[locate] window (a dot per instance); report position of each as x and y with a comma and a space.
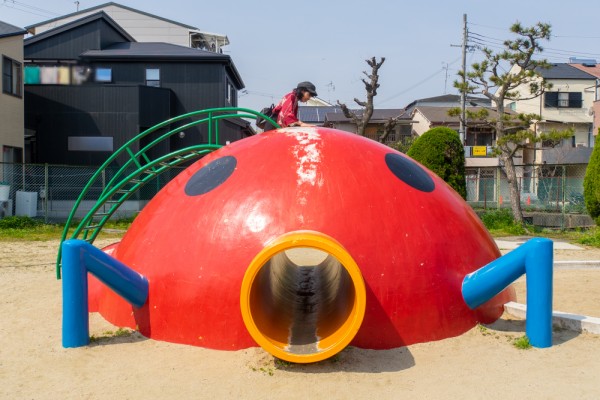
90, 143
563, 99
153, 77
103, 74
228, 92
11, 77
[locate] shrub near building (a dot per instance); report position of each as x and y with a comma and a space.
440, 150
591, 185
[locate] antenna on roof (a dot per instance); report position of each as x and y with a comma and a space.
330, 88
445, 67
77, 5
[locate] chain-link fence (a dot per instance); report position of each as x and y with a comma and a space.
551, 195
50, 191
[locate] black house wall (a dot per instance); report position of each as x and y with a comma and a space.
56, 112
195, 86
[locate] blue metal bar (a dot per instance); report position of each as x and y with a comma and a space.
534, 259
79, 258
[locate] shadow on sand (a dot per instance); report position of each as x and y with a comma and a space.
559, 335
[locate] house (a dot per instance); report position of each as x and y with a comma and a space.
143, 27
90, 87
376, 124
11, 97
480, 137
568, 104
593, 68
448, 100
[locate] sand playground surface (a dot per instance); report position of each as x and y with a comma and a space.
482, 363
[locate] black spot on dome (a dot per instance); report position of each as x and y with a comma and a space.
210, 176
409, 172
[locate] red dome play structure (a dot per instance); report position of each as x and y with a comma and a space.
382, 247
301, 240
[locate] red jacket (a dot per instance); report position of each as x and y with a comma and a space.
287, 109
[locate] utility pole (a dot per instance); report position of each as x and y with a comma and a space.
463, 94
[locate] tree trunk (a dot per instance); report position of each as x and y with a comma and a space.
360, 129
513, 184
509, 166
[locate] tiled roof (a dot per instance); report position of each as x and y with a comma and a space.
439, 115
7, 30
149, 51
592, 70
563, 71
379, 115
154, 50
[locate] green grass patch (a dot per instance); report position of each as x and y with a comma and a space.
501, 223
522, 343
32, 229
121, 332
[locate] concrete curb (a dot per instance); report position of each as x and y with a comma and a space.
572, 322
585, 264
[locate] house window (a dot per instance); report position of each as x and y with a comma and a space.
11, 77
153, 77
90, 143
563, 100
103, 74
228, 93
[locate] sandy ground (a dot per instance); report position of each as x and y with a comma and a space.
479, 364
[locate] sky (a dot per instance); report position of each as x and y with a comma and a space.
276, 44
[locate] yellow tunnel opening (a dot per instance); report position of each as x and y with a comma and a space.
303, 297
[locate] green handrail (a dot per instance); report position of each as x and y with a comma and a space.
143, 165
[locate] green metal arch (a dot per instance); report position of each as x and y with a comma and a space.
125, 183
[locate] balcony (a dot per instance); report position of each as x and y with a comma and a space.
480, 156
564, 155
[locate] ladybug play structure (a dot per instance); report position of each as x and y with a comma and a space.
300, 240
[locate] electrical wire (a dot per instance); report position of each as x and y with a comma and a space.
483, 40
408, 89
19, 6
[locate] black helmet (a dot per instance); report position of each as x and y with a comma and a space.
308, 86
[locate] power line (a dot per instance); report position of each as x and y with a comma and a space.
16, 5
33, 7
408, 89
497, 43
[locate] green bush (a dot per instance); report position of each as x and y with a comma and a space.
591, 185
440, 150
501, 221
19, 223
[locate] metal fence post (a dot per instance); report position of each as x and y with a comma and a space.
46, 193
497, 176
562, 224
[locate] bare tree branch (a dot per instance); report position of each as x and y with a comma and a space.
362, 118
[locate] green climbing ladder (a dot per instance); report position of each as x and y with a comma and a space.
140, 169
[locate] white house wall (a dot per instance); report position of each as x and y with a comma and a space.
573, 115
11, 107
142, 27
421, 124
